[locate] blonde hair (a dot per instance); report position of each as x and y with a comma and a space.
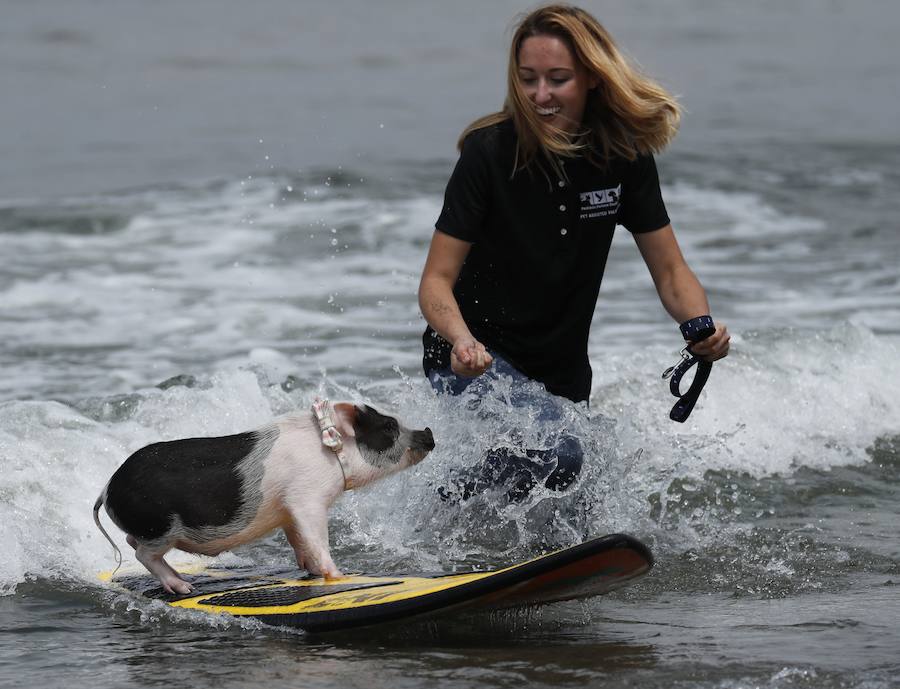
627, 114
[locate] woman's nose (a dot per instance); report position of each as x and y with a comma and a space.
541, 93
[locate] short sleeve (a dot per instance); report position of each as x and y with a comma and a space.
467, 196
642, 208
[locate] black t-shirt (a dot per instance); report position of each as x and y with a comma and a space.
529, 285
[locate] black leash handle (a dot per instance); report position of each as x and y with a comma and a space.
693, 330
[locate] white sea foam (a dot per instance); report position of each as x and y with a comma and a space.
710, 214
195, 276
781, 401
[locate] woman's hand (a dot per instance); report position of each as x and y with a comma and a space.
469, 358
713, 347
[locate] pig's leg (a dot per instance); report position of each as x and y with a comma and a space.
153, 560
297, 544
308, 536
132, 541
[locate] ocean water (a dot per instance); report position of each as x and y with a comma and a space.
210, 214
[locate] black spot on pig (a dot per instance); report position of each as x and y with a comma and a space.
197, 480
374, 430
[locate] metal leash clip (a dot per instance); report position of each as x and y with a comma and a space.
685, 356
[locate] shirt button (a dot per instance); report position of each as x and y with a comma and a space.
562, 208
563, 231
561, 183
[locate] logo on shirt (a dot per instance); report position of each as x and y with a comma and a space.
600, 203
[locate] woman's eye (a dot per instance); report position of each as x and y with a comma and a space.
552, 81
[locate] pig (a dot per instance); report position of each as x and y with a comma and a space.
209, 495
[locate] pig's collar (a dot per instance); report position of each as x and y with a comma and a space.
331, 436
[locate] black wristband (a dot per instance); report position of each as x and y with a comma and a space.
698, 328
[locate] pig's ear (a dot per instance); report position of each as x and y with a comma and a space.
345, 417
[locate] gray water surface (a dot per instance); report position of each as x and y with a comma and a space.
212, 212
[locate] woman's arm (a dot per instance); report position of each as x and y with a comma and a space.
445, 259
680, 291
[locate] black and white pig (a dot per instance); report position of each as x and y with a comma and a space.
208, 495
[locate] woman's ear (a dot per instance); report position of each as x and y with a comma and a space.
345, 417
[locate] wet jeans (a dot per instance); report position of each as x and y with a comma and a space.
518, 471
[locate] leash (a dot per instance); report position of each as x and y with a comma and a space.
693, 330
331, 436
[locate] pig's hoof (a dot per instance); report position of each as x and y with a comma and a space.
177, 586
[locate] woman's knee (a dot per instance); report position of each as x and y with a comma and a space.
569, 460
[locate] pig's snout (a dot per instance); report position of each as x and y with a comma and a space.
423, 440
422, 443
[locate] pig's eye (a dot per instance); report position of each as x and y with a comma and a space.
375, 430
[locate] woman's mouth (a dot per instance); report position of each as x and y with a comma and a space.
548, 112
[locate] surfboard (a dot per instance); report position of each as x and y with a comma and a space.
282, 598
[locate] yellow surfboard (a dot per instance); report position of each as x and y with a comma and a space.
281, 598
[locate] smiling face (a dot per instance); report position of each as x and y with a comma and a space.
554, 81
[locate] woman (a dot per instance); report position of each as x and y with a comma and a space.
514, 268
